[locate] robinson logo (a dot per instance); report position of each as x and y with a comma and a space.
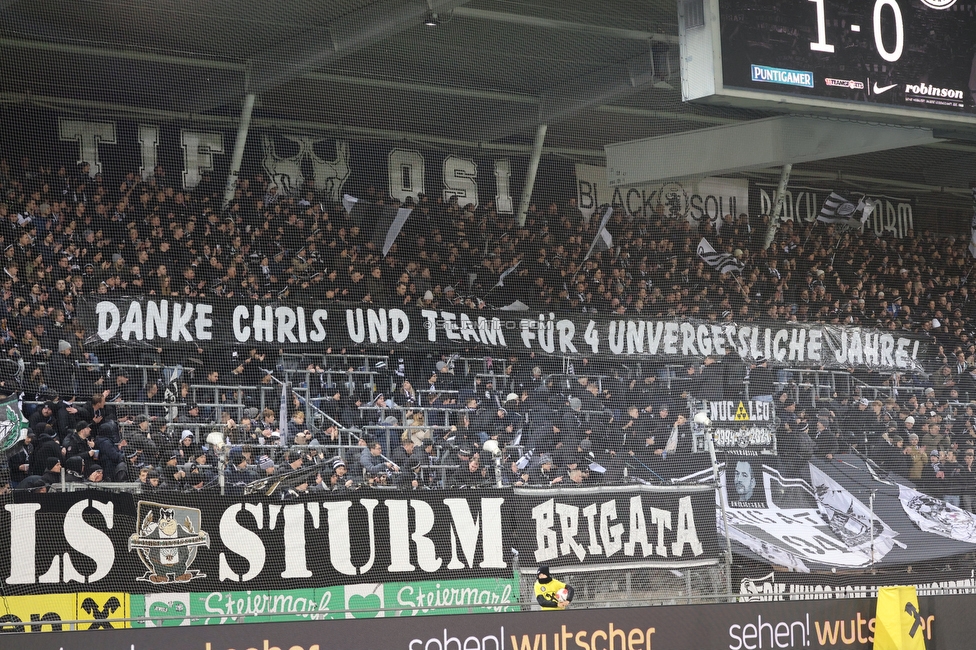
166, 545
927, 90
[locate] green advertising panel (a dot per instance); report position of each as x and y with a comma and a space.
220, 607
474, 596
422, 598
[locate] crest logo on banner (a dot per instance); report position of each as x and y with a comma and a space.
167, 542
288, 173
13, 427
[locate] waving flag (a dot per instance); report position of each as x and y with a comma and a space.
603, 240
388, 227
722, 262
839, 211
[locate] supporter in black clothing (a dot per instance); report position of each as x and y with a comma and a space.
46, 446
80, 443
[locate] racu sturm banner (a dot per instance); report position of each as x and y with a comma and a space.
293, 326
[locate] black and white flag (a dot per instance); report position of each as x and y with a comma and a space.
388, 227
972, 226
839, 211
349, 202
603, 240
722, 262
507, 272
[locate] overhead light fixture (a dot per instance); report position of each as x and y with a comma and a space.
432, 19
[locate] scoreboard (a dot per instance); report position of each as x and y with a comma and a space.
899, 58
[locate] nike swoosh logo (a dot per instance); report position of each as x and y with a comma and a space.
882, 89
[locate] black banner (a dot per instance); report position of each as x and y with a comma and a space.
173, 542
947, 623
160, 322
616, 527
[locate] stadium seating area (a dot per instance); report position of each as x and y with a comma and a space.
185, 418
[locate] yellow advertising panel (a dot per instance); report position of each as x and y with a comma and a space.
103, 610
900, 625
37, 613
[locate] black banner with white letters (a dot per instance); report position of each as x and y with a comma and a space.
295, 327
178, 542
616, 527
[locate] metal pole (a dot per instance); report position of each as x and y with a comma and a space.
540, 138
784, 179
725, 517
238, 156
872, 526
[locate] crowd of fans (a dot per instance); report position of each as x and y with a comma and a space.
66, 234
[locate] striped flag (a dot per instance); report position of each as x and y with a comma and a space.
839, 211
389, 226
603, 240
972, 226
722, 262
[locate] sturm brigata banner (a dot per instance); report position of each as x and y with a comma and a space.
178, 543
291, 326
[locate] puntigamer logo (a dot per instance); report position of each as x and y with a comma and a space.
765, 74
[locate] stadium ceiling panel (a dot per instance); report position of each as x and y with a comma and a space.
490, 71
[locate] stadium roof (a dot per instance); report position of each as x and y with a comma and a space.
486, 75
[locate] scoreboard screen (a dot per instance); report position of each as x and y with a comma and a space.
900, 57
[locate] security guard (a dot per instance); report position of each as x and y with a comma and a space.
547, 588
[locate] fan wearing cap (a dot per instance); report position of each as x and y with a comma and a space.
551, 594
544, 473
74, 469
340, 480
52, 473
47, 414
33, 484
934, 481
172, 471
94, 473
